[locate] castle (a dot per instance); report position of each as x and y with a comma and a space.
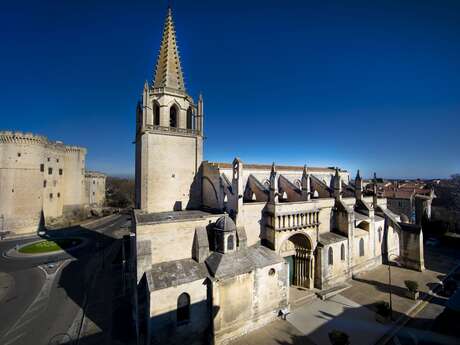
218, 247
41, 180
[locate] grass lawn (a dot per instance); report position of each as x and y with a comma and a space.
47, 246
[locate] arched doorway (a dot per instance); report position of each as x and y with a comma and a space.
298, 253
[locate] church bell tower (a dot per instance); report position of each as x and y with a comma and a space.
169, 135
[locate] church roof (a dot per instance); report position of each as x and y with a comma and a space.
225, 223
331, 237
241, 261
168, 70
174, 273
279, 168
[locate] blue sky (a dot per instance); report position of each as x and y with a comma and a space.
373, 85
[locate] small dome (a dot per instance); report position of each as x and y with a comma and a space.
404, 218
225, 223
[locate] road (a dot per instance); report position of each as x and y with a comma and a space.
43, 302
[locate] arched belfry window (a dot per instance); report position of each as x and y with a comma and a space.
189, 118
342, 252
330, 256
173, 116
230, 242
183, 308
361, 247
156, 114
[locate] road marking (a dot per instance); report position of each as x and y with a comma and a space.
40, 302
11, 341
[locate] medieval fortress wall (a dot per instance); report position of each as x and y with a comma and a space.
39, 180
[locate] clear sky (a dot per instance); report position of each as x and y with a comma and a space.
357, 84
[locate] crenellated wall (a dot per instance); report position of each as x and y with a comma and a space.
39, 180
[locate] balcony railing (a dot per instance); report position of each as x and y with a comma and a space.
294, 221
185, 131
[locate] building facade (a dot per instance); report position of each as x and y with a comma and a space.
95, 188
218, 246
40, 180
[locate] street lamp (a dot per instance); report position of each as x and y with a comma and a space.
389, 281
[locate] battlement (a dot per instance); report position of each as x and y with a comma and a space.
94, 174
18, 137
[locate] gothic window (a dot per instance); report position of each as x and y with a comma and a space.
60, 171
156, 114
380, 234
189, 118
183, 308
330, 256
342, 252
50, 171
230, 241
361, 247
173, 116
42, 167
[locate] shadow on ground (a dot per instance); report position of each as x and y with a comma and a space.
95, 281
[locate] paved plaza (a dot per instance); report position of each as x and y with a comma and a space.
352, 311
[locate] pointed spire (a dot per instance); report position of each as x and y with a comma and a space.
337, 184
358, 186
273, 196
358, 176
168, 70
305, 182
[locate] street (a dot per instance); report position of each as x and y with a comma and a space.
45, 295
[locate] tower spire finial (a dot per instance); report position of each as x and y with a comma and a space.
168, 70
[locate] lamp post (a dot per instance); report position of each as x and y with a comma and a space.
389, 282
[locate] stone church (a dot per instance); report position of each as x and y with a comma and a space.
219, 247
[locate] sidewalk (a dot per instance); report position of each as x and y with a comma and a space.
352, 311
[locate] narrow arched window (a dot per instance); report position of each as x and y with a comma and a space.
342, 252
156, 114
189, 118
361, 247
380, 234
230, 244
330, 256
173, 116
183, 308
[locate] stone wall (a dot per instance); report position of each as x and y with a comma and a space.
248, 301
164, 327
400, 206
169, 164
171, 241
95, 188
37, 180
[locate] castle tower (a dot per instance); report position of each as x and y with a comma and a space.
169, 135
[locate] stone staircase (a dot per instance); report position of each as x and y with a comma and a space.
335, 290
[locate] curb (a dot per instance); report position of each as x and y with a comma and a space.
403, 319
12, 255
